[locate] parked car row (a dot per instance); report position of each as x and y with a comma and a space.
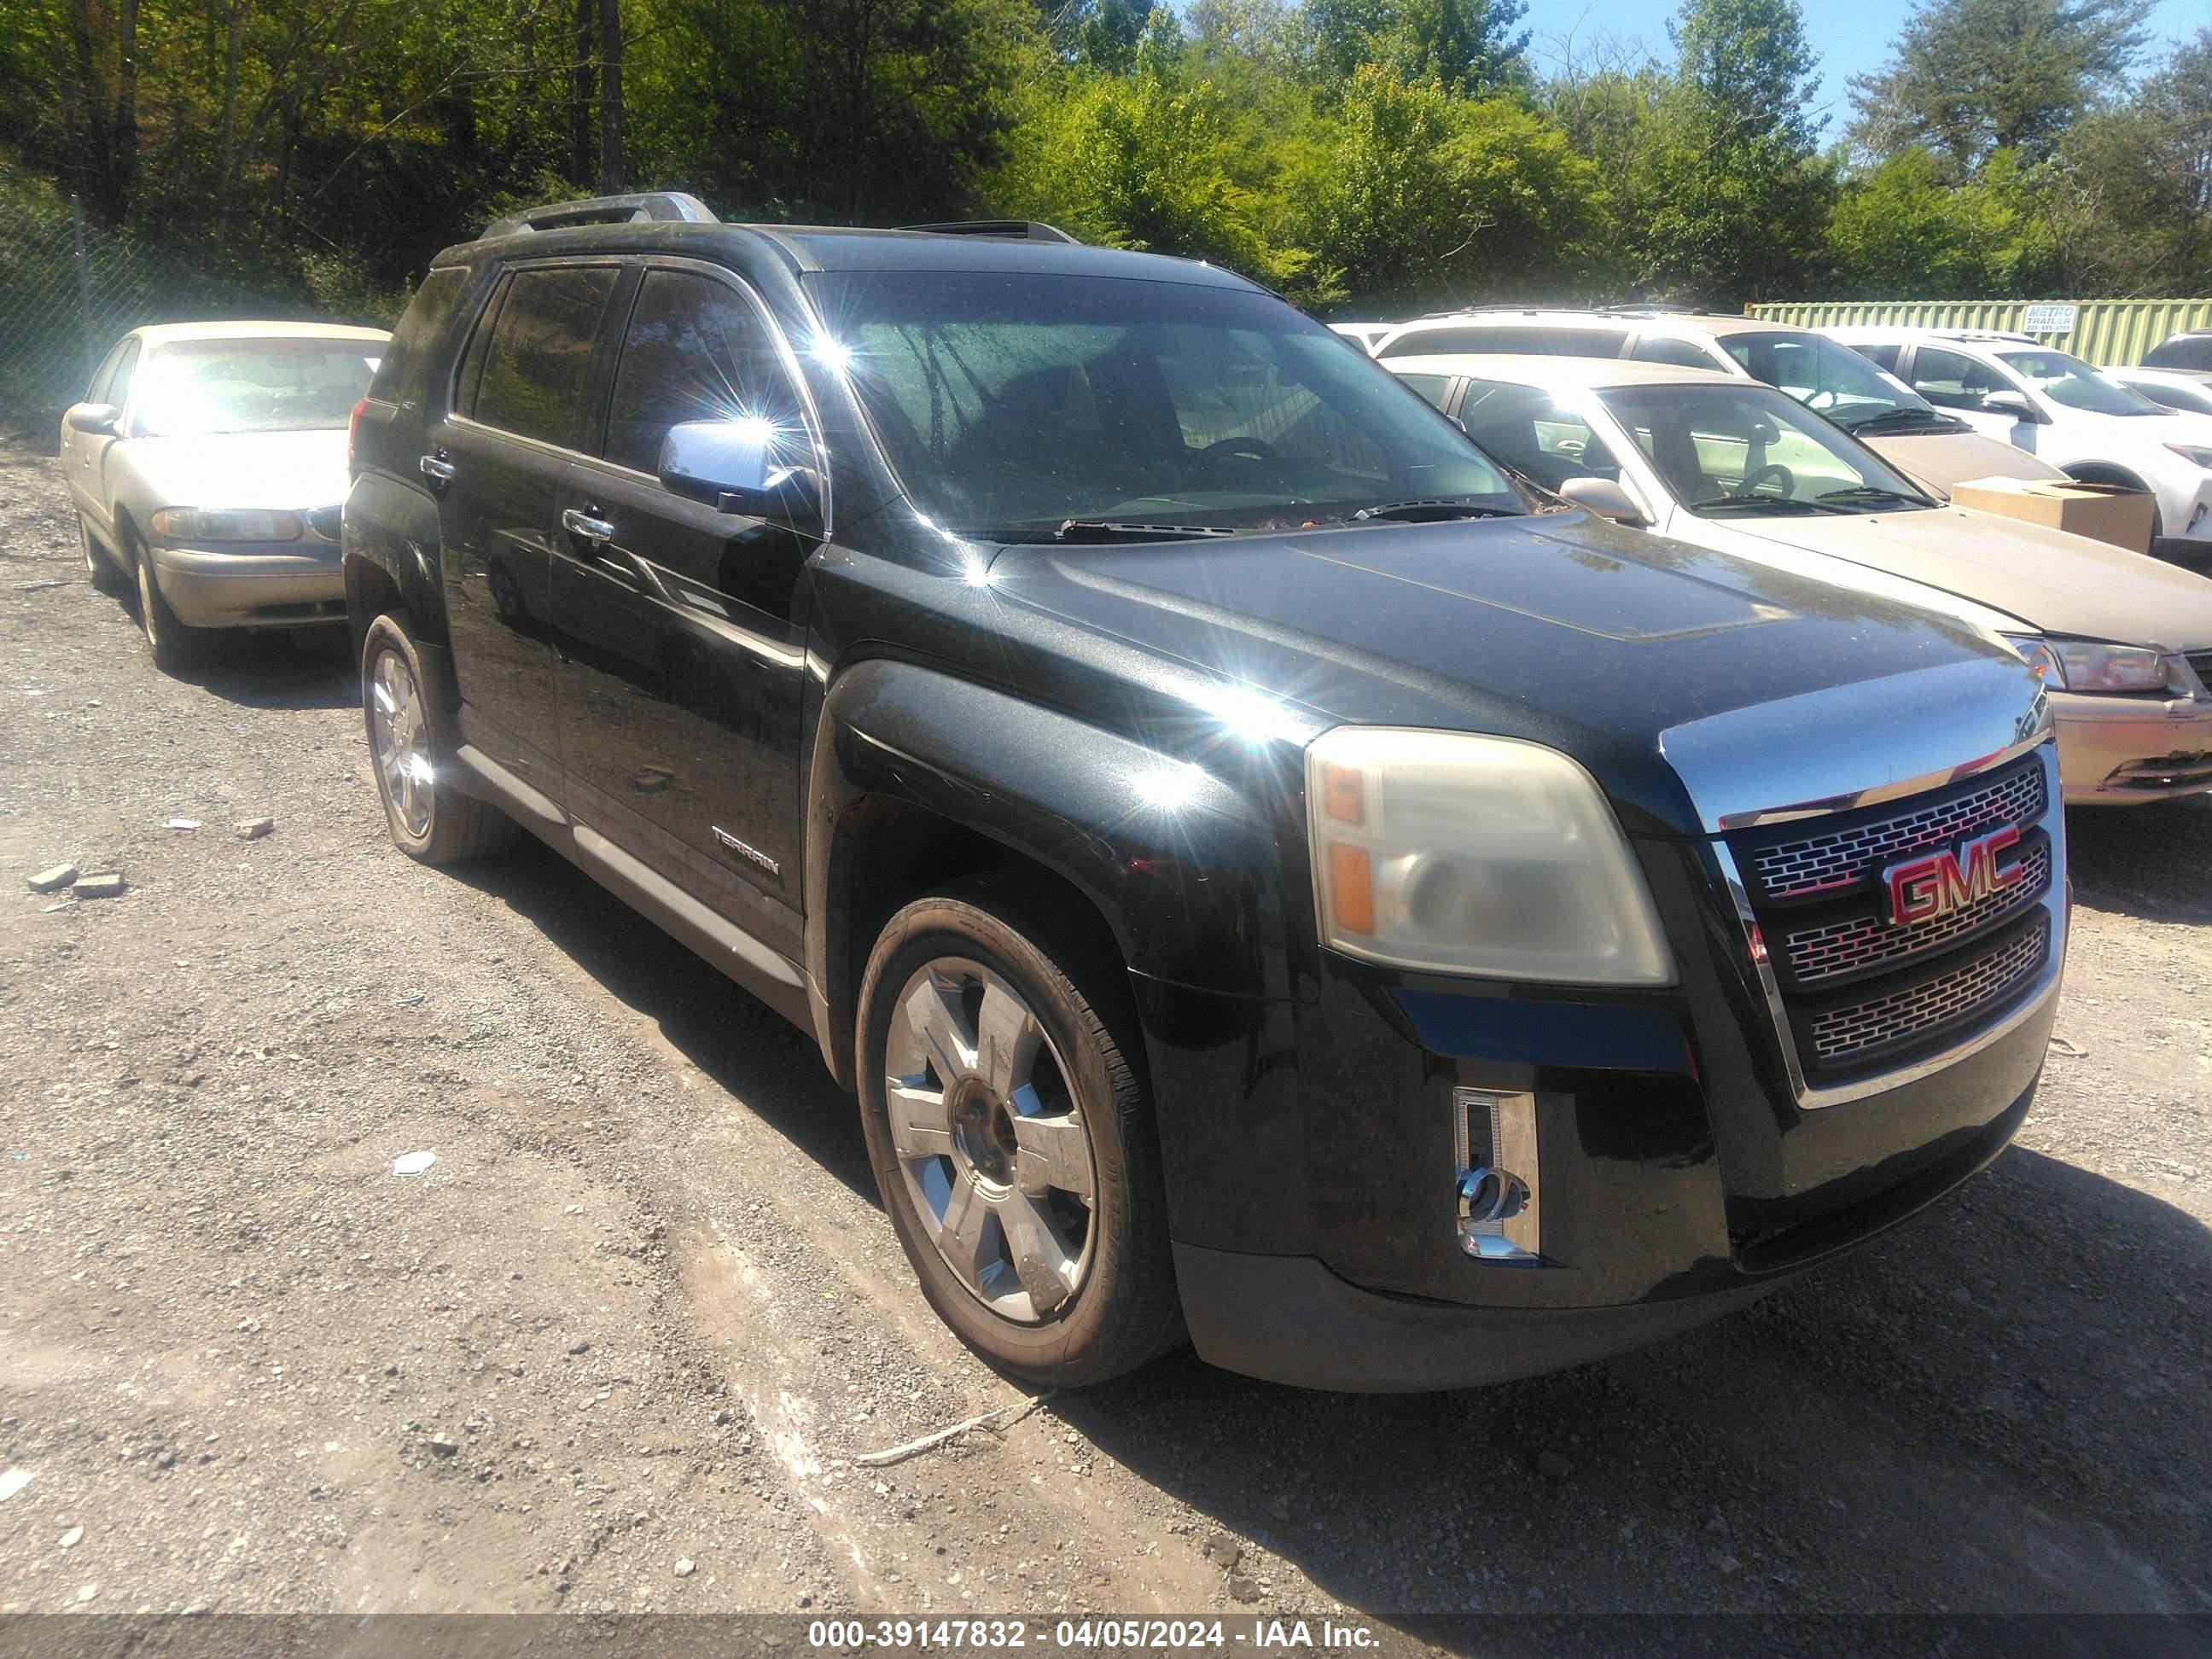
1395, 898
1947, 405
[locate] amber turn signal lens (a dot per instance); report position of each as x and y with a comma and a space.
1351, 888
1344, 793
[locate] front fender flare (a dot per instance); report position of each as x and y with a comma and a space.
1184, 866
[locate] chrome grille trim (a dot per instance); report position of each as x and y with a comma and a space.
1813, 1095
1817, 954
1832, 862
1843, 1033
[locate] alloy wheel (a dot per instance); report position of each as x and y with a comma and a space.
401, 740
990, 1140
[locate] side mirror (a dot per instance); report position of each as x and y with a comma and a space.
732, 466
2014, 403
98, 420
1605, 498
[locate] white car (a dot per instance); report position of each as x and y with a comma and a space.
2185, 392
1933, 448
208, 463
1367, 336
2054, 405
2123, 641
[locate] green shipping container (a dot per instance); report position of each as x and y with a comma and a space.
2110, 333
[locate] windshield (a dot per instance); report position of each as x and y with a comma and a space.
1010, 403
2070, 381
1744, 450
1833, 378
200, 388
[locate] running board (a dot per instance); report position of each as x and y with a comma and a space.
710, 935
511, 792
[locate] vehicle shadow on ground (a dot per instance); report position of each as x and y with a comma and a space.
2150, 862
1997, 1407
752, 1052
267, 668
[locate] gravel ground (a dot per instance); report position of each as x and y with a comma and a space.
617, 1347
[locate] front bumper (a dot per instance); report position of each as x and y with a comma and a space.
271, 586
1288, 1319
2122, 751
1679, 1162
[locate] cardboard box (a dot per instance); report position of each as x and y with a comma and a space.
2105, 512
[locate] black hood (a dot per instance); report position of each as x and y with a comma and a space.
1561, 628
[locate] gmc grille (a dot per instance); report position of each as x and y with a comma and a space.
1846, 1033
1867, 941
1859, 990
1837, 859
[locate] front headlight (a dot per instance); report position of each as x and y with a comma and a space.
2094, 667
1469, 854
2196, 455
226, 524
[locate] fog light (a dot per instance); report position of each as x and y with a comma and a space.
1494, 1177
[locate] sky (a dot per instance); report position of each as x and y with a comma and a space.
1852, 37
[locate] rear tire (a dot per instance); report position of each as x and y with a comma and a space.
431, 820
173, 647
99, 569
1012, 1142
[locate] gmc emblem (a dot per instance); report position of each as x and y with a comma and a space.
1923, 888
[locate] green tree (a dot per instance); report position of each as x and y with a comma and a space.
1904, 231
1468, 47
1426, 200
1734, 196
1149, 160
2131, 199
1971, 77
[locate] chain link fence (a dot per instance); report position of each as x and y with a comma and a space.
69, 290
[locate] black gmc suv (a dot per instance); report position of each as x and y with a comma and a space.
1269, 874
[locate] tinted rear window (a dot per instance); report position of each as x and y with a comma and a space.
400, 377
536, 376
1508, 339
2187, 351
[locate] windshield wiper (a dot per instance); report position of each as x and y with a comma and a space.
1872, 492
1433, 510
1763, 503
1080, 531
1933, 420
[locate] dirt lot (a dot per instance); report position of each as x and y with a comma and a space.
616, 1348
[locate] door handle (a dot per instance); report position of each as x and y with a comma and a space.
586, 526
437, 469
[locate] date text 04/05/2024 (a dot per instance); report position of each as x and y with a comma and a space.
1260, 1635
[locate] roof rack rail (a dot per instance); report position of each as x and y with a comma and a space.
671, 206
1655, 309
1013, 230
1482, 310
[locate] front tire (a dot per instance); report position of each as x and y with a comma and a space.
173, 647
1013, 1145
431, 821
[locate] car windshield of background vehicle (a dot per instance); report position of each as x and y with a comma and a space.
1525, 428
1833, 379
1011, 403
2169, 394
1744, 451
2070, 381
205, 388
